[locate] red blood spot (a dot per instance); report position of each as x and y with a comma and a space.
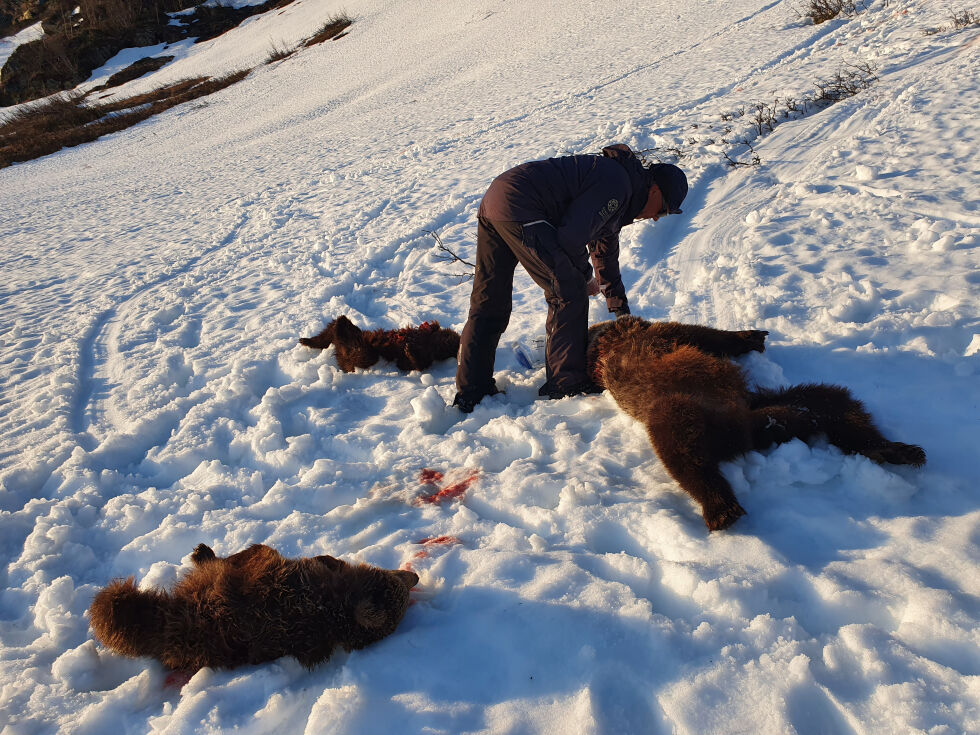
433, 541
430, 477
451, 491
177, 679
439, 540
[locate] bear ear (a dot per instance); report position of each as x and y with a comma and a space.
330, 562
368, 615
202, 553
409, 579
345, 331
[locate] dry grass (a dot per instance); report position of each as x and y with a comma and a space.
332, 29
279, 53
63, 121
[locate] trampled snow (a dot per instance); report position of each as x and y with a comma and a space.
154, 396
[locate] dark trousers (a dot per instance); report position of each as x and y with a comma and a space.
500, 246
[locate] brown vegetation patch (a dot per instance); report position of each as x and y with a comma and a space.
135, 70
820, 11
63, 121
279, 53
77, 43
334, 28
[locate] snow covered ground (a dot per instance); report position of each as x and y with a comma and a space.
152, 395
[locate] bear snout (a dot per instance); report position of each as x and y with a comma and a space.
409, 579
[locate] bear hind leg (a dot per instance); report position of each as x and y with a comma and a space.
803, 411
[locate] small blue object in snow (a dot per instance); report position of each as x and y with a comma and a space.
522, 358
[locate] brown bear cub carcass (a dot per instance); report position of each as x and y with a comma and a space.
252, 607
698, 410
410, 348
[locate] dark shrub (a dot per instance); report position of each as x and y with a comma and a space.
137, 69
77, 44
823, 10
963, 18
846, 82
58, 62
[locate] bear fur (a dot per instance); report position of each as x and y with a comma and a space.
698, 410
410, 348
252, 607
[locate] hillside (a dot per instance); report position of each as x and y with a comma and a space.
153, 396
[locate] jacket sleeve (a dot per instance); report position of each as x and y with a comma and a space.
605, 260
606, 191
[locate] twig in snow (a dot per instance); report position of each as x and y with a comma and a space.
756, 161
452, 256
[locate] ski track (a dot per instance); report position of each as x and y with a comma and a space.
92, 417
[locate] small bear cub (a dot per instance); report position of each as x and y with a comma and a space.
410, 348
252, 607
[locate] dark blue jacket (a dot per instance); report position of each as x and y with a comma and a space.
586, 198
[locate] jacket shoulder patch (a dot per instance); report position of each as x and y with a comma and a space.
607, 211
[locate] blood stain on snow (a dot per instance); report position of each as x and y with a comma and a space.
430, 477
439, 540
434, 541
455, 490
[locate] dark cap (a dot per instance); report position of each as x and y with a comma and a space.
672, 184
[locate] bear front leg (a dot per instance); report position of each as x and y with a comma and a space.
323, 339
414, 357
691, 439
717, 342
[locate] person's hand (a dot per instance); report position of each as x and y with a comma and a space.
592, 286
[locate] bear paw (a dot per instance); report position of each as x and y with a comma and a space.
897, 453
721, 513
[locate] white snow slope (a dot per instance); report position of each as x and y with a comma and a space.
154, 397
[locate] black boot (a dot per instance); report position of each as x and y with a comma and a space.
579, 389
466, 403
